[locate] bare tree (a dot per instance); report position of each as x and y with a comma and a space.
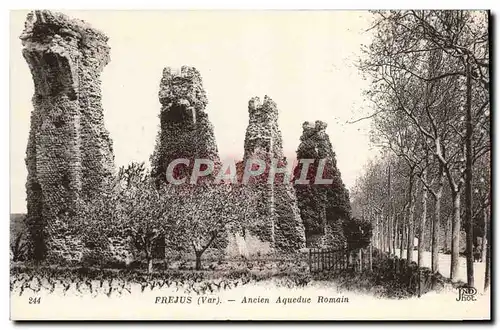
206, 212
418, 61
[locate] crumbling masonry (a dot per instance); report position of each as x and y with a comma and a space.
278, 223
185, 130
69, 155
323, 206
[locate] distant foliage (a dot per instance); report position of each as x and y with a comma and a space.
18, 248
358, 233
19, 238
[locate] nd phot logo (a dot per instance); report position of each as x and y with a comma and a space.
467, 294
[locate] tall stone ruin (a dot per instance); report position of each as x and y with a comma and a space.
278, 226
69, 155
322, 206
185, 130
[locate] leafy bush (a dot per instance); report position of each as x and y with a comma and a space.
18, 248
358, 233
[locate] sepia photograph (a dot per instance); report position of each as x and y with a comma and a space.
250, 165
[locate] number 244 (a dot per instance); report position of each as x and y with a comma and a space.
34, 300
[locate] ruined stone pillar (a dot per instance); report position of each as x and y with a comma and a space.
323, 206
185, 130
279, 221
69, 155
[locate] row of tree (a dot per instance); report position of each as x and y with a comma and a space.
429, 73
185, 217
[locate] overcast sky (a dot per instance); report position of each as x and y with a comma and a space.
304, 60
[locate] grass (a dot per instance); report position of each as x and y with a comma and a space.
107, 281
289, 271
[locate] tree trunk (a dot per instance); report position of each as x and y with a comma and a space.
435, 233
384, 229
436, 223
395, 234
455, 236
198, 260
488, 260
485, 234
468, 180
149, 258
447, 227
402, 239
150, 265
422, 224
389, 234
386, 232
411, 213
389, 211
371, 258
381, 232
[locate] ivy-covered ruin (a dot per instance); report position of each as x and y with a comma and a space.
185, 129
69, 156
322, 206
278, 222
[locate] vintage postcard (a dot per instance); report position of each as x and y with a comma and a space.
250, 165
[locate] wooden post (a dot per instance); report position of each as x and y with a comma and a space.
320, 261
371, 257
360, 255
331, 258
327, 258
318, 256
313, 262
419, 282
310, 260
